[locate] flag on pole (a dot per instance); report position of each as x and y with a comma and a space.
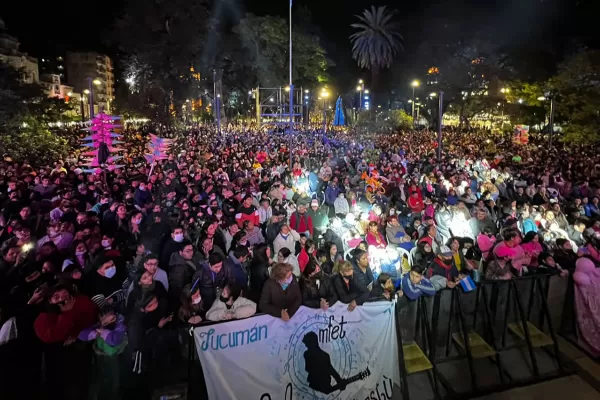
467, 284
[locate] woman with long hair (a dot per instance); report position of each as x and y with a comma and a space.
316, 287
191, 310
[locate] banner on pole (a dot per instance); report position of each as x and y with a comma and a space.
324, 355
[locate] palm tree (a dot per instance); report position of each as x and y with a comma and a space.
377, 40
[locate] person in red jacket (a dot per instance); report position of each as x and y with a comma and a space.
301, 222
66, 360
416, 204
247, 212
71, 314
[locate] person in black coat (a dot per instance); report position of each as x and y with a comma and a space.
173, 244
211, 277
281, 296
259, 271
316, 287
348, 290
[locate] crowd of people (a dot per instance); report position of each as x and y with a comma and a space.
111, 266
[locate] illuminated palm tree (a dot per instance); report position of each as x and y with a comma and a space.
377, 40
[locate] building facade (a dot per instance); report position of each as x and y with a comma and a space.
10, 54
92, 71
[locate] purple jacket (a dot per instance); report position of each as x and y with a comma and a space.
112, 337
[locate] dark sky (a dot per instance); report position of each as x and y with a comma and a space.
55, 26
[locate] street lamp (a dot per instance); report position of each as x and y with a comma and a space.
505, 90
414, 85
360, 89
97, 82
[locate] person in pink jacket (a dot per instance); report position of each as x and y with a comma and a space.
587, 298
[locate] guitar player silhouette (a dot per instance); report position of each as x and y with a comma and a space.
320, 370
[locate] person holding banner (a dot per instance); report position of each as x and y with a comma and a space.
231, 305
347, 288
316, 287
281, 295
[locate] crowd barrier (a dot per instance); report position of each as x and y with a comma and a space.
466, 344
504, 324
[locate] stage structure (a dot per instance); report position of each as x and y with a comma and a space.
273, 106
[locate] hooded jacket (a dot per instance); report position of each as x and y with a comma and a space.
181, 272
237, 269
209, 282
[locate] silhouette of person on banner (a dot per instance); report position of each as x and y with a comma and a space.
319, 368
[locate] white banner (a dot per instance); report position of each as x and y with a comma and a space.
316, 355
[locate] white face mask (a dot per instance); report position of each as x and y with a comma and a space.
197, 300
178, 237
106, 243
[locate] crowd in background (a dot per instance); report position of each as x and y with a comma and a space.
108, 267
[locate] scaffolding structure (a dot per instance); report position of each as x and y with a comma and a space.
273, 105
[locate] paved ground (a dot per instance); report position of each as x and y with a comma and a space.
571, 387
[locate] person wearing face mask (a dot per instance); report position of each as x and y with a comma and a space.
281, 296
106, 285
231, 305
316, 287
108, 334
348, 289
442, 272
191, 309
212, 276
66, 361
172, 245
142, 196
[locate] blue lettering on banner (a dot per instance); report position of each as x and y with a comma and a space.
212, 341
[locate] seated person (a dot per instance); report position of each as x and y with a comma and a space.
442, 271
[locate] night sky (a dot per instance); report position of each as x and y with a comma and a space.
55, 26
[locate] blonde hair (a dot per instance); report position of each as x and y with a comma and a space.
280, 270
342, 266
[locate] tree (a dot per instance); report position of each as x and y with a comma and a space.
163, 44
25, 111
377, 40
576, 89
263, 53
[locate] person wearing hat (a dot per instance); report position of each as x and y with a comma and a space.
442, 272
319, 217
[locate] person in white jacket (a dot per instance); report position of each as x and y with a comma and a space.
231, 305
341, 205
286, 238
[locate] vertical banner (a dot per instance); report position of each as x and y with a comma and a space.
324, 355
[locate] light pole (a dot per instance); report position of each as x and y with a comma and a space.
551, 117
324, 95
306, 98
291, 91
414, 85
440, 117
90, 93
360, 89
